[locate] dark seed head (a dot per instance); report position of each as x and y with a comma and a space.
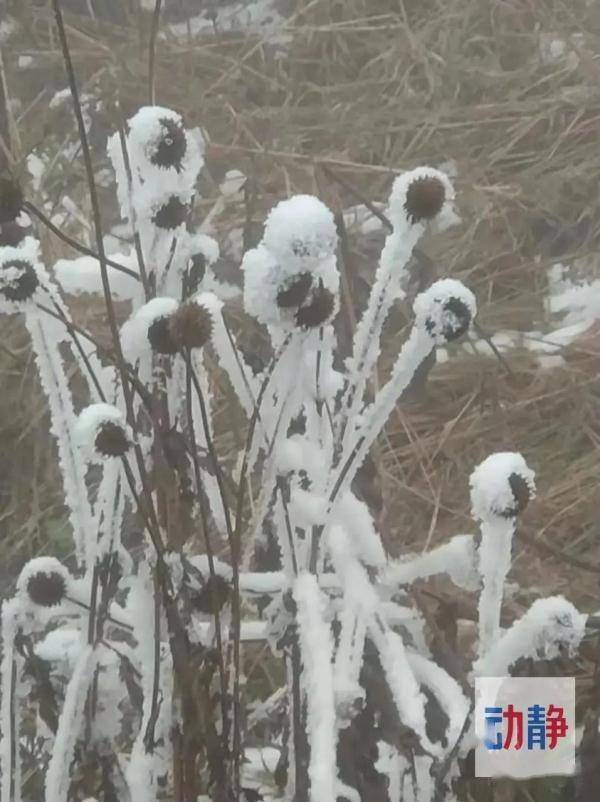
23, 285
318, 311
170, 148
172, 214
213, 595
46, 588
11, 200
112, 440
521, 495
424, 198
295, 292
190, 326
457, 319
159, 335
11, 234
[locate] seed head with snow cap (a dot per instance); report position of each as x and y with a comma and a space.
421, 196
445, 310
300, 232
148, 329
501, 486
102, 433
20, 274
291, 279
43, 582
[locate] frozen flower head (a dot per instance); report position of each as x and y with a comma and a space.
157, 135
43, 582
171, 214
11, 200
556, 625
318, 309
291, 279
501, 486
420, 196
445, 310
148, 330
102, 433
191, 325
300, 232
20, 273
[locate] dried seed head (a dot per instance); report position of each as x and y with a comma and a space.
11, 200
46, 588
172, 214
11, 234
452, 323
295, 292
502, 485
318, 311
111, 440
445, 310
521, 494
18, 280
159, 335
424, 198
171, 146
213, 596
190, 326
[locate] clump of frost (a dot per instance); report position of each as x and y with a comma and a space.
550, 626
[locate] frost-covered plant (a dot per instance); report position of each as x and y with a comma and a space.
127, 668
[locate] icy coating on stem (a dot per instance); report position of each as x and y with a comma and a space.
212, 495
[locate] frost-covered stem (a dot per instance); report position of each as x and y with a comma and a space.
316, 645
69, 727
418, 346
54, 381
10, 771
152, 49
207, 542
386, 289
494, 564
136, 234
78, 246
235, 566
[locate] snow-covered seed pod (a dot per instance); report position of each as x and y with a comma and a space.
319, 311
294, 291
172, 214
43, 582
191, 325
300, 232
168, 148
102, 433
11, 200
501, 486
420, 196
445, 310
550, 626
148, 330
18, 279
291, 279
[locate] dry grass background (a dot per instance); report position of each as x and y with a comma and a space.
365, 88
